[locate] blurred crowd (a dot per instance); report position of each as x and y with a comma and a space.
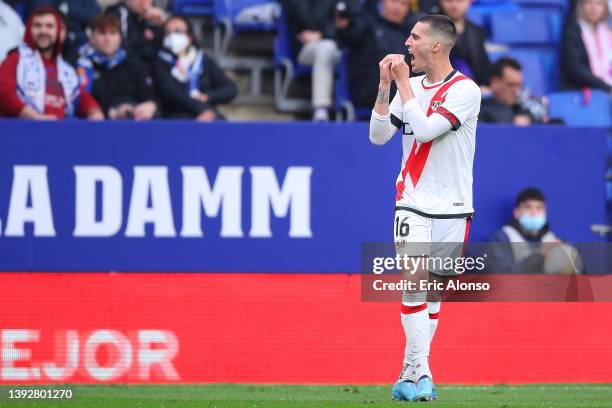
134, 60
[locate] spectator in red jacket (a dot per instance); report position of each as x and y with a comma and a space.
36, 82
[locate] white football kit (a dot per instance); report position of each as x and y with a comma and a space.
434, 186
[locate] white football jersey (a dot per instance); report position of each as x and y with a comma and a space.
436, 177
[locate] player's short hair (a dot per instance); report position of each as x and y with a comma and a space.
497, 69
441, 26
530, 193
105, 22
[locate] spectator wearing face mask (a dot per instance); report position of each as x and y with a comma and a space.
36, 82
526, 244
141, 28
189, 83
586, 47
114, 79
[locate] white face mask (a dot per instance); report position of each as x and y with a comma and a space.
176, 42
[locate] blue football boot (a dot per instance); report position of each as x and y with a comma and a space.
404, 391
424, 389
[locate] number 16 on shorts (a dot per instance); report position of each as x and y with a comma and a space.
412, 233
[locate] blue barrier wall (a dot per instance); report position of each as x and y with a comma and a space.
349, 182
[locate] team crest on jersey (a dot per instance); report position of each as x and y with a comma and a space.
435, 105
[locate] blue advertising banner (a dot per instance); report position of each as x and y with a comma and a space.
246, 197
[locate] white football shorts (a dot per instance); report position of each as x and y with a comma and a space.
440, 239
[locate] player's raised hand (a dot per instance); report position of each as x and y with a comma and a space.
386, 76
401, 73
399, 68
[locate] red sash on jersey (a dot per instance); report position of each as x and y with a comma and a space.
416, 160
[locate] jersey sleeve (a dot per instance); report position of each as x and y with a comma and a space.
10, 104
396, 110
462, 102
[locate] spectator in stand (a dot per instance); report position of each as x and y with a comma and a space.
370, 38
189, 83
586, 47
36, 82
469, 55
416, 6
77, 13
427, 6
526, 244
311, 24
509, 103
11, 29
163, 4
112, 77
141, 28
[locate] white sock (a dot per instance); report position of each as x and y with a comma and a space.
415, 321
408, 373
433, 308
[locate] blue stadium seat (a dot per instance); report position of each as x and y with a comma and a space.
577, 110
21, 10
228, 10
229, 21
476, 17
227, 25
193, 7
477, 2
527, 27
480, 13
540, 68
559, 4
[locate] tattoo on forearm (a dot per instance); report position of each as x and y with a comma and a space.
383, 96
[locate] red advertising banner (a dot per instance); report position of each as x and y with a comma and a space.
276, 328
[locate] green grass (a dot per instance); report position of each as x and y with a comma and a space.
258, 396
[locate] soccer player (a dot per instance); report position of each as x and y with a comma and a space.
437, 113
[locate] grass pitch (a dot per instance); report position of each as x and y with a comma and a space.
259, 396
